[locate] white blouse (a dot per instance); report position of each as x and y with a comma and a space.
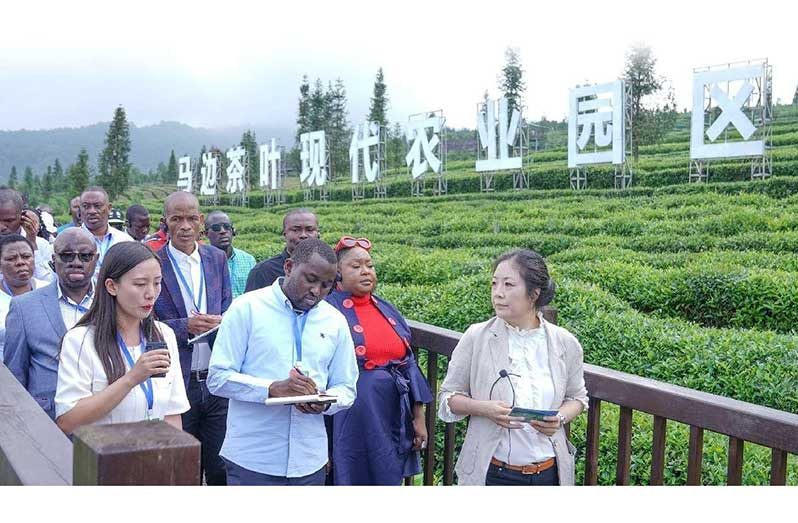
534, 389
81, 374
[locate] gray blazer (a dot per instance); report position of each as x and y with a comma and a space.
34, 328
476, 361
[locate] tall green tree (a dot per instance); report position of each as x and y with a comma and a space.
319, 107
171, 170
47, 183
250, 144
378, 107
511, 79
338, 128
395, 153
795, 97
13, 181
28, 183
640, 73
114, 164
303, 114
78, 173
60, 182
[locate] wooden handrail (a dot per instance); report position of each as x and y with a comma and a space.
739, 420
33, 450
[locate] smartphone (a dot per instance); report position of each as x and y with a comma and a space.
156, 345
531, 414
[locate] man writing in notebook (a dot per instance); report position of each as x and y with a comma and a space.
280, 341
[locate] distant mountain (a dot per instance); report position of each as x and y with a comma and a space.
149, 145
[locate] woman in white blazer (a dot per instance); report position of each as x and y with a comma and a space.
106, 374
515, 359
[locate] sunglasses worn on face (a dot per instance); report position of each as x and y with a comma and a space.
67, 257
347, 242
217, 227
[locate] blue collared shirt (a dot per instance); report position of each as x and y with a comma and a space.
111, 238
254, 348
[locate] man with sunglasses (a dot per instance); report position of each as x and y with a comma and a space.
38, 320
298, 224
220, 232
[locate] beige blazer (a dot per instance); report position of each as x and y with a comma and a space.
475, 364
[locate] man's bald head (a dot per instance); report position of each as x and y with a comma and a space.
183, 220
73, 237
179, 198
75, 274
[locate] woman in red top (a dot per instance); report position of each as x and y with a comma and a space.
376, 441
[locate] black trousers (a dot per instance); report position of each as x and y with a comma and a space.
498, 476
207, 421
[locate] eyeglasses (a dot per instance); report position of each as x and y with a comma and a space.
347, 242
85, 257
217, 227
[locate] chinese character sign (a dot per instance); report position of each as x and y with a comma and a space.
210, 165
270, 160
729, 89
364, 137
421, 145
597, 112
184, 175
313, 155
235, 169
486, 126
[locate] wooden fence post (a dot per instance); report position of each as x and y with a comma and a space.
144, 453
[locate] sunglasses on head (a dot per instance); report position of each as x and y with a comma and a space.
67, 257
217, 227
347, 242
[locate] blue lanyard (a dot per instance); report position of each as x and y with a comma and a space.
299, 328
103, 248
146, 386
77, 306
195, 301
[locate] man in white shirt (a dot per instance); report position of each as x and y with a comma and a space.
37, 320
15, 220
195, 292
94, 211
283, 340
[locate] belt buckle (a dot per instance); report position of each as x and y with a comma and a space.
533, 468
197, 375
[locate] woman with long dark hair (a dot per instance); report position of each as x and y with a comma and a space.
106, 375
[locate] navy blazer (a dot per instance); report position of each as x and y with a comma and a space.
34, 329
171, 310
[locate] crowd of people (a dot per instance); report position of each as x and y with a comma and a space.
291, 371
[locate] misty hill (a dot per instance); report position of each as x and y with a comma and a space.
149, 144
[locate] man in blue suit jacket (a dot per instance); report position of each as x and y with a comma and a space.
195, 292
38, 320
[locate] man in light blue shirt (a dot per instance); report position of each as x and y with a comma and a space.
283, 340
95, 212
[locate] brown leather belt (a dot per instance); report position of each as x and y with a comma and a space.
532, 468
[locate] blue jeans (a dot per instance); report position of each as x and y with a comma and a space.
239, 476
207, 421
498, 476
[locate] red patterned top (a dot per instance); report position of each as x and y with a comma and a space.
382, 342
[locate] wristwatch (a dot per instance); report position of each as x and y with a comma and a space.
562, 420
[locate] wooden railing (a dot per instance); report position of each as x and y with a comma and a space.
34, 451
737, 420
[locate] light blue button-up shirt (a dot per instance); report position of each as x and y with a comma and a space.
254, 348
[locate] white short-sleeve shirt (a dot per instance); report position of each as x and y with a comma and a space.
81, 374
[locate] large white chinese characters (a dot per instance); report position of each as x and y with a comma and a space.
417, 126
597, 112
730, 89
508, 131
313, 155
209, 172
364, 137
235, 170
185, 179
270, 163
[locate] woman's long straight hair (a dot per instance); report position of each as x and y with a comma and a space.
119, 259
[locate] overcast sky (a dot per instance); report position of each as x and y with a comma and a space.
211, 64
